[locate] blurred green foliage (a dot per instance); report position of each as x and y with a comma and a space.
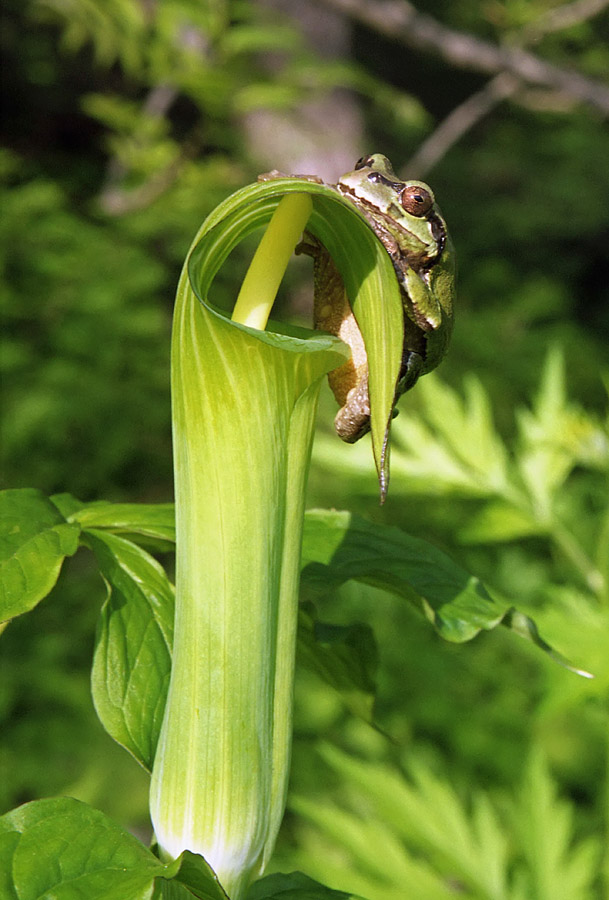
419, 832
122, 129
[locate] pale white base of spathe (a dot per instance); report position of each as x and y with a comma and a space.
231, 864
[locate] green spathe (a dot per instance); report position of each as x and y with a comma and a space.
244, 404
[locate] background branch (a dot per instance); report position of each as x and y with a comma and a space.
502, 86
402, 22
459, 121
563, 17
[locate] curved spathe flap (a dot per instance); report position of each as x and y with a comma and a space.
362, 261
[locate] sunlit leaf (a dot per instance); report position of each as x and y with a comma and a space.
555, 436
64, 849
132, 660
195, 877
146, 523
67, 850
34, 541
338, 546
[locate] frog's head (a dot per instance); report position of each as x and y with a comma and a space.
406, 210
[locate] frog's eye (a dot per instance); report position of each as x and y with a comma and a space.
363, 162
416, 200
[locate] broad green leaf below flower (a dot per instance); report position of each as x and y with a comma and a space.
132, 659
338, 546
34, 541
148, 524
64, 849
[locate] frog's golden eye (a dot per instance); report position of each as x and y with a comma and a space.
363, 162
416, 200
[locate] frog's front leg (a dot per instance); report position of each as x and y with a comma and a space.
332, 312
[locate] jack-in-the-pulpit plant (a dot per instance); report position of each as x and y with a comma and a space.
244, 404
243, 412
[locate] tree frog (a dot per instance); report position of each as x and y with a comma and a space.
405, 217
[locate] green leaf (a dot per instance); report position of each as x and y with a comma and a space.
149, 523
241, 39
67, 504
462, 447
171, 890
294, 886
64, 849
419, 837
526, 628
338, 546
191, 872
346, 657
132, 660
34, 541
450, 448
